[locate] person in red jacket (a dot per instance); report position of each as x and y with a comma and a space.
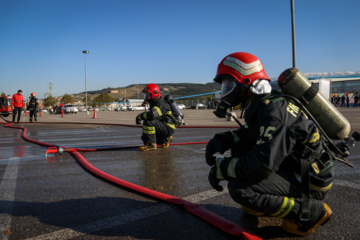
17, 104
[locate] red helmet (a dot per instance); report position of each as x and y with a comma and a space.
152, 91
244, 67
33, 94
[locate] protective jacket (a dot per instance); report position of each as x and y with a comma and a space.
33, 103
276, 136
17, 101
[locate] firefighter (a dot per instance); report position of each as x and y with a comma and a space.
277, 165
33, 107
17, 104
159, 124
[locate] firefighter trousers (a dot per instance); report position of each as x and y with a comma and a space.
272, 195
33, 114
156, 131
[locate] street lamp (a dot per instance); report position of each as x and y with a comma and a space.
293, 32
85, 52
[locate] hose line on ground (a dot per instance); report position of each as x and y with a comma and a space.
208, 216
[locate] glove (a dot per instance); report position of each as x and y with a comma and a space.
214, 182
138, 119
213, 146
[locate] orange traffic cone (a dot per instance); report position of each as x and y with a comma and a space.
40, 113
94, 113
62, 113
25, 113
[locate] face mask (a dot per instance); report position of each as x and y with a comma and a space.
231, 96
147, 96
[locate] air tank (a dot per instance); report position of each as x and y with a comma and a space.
174, 108
293, 82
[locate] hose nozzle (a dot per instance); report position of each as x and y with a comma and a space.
54, 150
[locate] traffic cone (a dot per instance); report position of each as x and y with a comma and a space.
94, 113
62, 113
40, 113
25, 113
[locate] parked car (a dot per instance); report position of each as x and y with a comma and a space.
181, 106
198, 106
70, 108
137, 108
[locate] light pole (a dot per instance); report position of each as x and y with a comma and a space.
85, 52
293, 32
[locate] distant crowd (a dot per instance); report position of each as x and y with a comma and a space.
345, 100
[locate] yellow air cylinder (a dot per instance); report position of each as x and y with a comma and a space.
293, 82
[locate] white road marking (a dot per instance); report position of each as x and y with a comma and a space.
77, 231
344, 183
7, 194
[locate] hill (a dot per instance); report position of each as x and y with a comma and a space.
134, 91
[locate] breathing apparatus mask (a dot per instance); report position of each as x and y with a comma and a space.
232, 95
147, 96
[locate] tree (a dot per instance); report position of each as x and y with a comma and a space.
89, 100
104, 98
67, 99
49, 101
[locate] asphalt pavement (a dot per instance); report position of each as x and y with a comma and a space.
54, 197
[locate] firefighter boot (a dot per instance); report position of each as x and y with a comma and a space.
251, 211
304, 228
167, 142
35, 119
30, 120
148, 147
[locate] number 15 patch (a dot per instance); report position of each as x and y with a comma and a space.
265, 134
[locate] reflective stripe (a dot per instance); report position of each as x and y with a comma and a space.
243, 68
218, 170
314, 137
149, 130
231, 168
142, 116
321, 189
158, 110
171, 125
168, 113
314, 187
287, 206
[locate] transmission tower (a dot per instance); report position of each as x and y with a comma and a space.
50, 88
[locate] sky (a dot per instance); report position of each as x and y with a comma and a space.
157, 41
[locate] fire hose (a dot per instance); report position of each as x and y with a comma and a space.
208, 216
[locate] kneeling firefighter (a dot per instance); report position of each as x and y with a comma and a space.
159, 122
33, 107
278, 166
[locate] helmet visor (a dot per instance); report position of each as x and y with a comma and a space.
147, 96
227, 86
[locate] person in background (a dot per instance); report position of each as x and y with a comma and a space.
159, 122
33, 107
17, 104
356, 100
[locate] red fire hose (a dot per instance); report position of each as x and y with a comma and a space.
210, 217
